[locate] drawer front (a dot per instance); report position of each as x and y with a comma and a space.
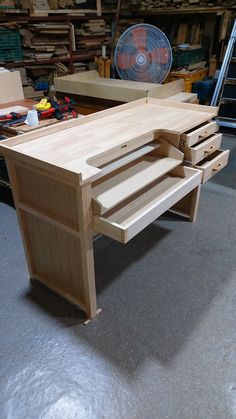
199, 134
124, 223
199, 151
213, 164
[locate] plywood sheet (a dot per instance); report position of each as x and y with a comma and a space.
11, 87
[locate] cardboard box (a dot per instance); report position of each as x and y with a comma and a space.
90, 84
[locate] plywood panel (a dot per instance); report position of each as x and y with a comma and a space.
11, 87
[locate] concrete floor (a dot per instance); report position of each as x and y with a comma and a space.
164, 346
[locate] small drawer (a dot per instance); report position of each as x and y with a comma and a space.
213, 164
201, 150
193, 137
133, 215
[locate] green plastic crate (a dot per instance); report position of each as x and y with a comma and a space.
10, 45
182, 58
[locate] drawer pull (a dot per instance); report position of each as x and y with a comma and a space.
209, 150
215, 169
203, 135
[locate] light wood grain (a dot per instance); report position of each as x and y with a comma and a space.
54, 198
202, 149
188, 206
125, 158
56, 256
11, 87
213, 163
107, 136
121, 184
90, 84
22, 225
130, 219
194, 136
85, 217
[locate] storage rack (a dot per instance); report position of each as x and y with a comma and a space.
68, 19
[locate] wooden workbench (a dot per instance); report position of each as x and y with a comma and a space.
113, 173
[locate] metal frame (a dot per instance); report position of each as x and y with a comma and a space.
225, 66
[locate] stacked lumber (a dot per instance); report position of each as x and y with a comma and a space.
46, 7
90, 36
80, 67
110, 6
155, 4
125, 24
42, 41
92, 27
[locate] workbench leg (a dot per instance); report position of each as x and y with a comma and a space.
188, 206
85, 226
194, 203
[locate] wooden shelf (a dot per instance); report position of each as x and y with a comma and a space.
59, 18
189, 10
26, 63
129, 174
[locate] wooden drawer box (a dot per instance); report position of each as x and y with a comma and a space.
135, 214
199, 151
194, 136
213, 163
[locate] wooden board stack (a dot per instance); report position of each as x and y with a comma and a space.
90, 36
44, 40
75, 7
155, 4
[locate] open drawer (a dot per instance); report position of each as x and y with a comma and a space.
213, 164
122, 182
199, 151
194, 136
129, 218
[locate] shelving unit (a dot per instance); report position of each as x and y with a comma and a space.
69, 20
182, 10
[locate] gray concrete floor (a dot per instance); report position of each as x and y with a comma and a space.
164, 345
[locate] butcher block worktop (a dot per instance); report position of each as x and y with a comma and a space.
81, 146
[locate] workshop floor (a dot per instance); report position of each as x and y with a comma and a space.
164, 345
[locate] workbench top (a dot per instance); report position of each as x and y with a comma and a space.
81, 146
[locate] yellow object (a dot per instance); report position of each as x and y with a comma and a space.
189, 78
43, 105
104, 66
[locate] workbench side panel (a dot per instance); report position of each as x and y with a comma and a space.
54, 250
55, 256
54, 198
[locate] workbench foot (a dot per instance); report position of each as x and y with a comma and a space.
87, 321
